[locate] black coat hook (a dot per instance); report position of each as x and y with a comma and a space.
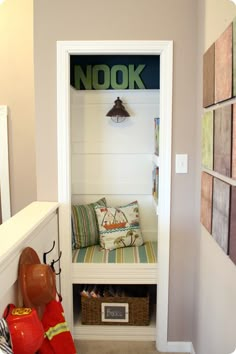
58, 259
52, 265
45, 253
53, 262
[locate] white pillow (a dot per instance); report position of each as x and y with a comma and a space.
119, 227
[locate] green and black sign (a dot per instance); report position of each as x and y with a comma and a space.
115, 72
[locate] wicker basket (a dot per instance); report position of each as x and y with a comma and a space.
138, 310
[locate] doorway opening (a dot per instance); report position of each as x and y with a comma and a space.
165, 50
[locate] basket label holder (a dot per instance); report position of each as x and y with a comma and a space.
114, 312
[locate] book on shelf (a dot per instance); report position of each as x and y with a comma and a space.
157, 134
155, 185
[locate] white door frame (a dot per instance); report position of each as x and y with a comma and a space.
4, 165
165, 50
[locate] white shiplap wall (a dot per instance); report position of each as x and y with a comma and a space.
110, 159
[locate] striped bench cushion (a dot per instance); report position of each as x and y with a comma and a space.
147, 253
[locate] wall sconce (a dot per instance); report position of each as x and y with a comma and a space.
118, 112
1, 1
234, 1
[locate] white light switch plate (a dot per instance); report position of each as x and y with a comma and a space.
181, 163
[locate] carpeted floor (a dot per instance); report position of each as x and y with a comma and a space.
119, 347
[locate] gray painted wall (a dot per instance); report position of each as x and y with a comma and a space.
151, 19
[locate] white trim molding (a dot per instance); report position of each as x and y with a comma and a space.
192, 351
180, 347
4, 166
165, 50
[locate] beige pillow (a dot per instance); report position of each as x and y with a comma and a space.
119, 227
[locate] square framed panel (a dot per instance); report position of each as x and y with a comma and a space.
206, 200
207, 139
223, 140
209, 76
221, 213
232, 230
223, 65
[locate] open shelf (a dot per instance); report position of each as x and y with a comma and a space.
114, 332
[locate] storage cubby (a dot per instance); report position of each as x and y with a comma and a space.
148, 295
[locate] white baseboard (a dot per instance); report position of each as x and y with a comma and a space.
192, 350
180, 347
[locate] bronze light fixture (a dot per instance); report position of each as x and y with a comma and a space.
118, 112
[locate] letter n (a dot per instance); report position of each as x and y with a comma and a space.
81, 77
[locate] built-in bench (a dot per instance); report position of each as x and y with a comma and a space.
147, 253
129, 265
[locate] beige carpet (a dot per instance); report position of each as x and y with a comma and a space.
119, 347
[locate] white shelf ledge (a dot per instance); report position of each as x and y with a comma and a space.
16, 230
98, 273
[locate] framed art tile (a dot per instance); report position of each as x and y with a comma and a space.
232, 228
234, 143
223, 65
223, 140
206, 200
220, 213
207, 140
234, 57
209, 77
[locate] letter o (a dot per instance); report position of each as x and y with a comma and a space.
125, 77
106, 71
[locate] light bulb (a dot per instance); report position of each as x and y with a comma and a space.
1, 1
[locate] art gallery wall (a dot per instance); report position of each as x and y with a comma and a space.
214, 325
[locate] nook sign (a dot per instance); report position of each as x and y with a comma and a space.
102, 77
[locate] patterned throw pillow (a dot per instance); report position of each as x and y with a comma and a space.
85, 230
119, 227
